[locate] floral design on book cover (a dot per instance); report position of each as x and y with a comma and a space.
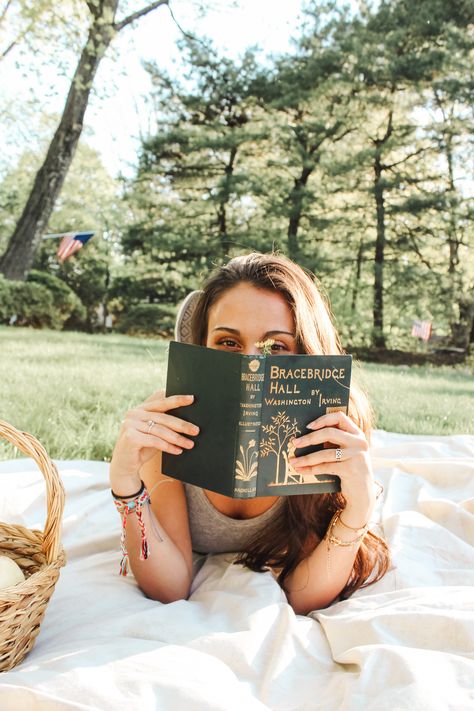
247, 465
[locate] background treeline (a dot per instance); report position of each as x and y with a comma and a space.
353, 155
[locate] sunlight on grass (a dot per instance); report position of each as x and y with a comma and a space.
421, 399
71, 390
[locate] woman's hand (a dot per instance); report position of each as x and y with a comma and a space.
139, 440
354, 468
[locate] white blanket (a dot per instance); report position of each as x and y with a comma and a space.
405, 643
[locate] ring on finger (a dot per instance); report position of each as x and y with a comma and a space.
151, 424
338, 452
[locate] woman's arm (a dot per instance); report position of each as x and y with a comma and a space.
165, 574
320, 577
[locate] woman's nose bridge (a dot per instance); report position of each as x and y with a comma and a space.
251, 348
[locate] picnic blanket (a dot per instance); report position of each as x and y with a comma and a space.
406, 642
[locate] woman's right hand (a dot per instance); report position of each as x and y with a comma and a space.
135, 445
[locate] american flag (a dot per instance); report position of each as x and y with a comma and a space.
71, 243
421, 329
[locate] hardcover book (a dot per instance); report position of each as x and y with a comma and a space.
248, 409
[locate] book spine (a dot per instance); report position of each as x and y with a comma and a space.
248, 430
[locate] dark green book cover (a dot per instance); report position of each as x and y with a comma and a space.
248, 409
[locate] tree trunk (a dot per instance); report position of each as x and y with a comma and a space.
224, 201
25, 240
355, 290
296, 210
378, 337
460, 320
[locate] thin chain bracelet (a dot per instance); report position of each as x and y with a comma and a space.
330, 538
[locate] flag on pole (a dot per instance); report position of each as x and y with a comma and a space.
71, 243
421, 329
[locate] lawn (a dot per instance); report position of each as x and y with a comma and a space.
71, 390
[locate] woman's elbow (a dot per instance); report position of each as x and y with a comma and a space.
166, 594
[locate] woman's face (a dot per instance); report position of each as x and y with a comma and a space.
246, 315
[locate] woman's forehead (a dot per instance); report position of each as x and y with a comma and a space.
245, 303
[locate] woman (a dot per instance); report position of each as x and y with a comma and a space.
318, 545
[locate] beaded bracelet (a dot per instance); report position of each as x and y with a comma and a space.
125, 506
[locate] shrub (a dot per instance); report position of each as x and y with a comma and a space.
6, 300
148, 320
32, 303
65, 301
43, 301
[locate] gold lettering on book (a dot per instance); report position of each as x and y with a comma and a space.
280, 389
277, 402
252, 377
332, 401
306, 373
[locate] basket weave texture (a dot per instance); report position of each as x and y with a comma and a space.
38, 553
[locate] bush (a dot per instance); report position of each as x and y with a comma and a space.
32, 303
6, 300
148, 320
65, 302
43, 301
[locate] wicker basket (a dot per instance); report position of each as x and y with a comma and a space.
39, 554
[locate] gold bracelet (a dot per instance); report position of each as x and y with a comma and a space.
351, 528
330, 538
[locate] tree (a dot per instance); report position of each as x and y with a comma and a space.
26, 237
188, 198
411, 55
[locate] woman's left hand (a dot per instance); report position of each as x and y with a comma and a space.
354, 466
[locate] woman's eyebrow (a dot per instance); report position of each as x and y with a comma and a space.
275, 333
268, 334
226, 328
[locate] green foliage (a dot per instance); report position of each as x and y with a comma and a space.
43, 301
33, 304
148, 320
351, 154
65, 302
6, 300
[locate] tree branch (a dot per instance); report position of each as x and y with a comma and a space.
389, 166
5, 10
186, 34
139, 13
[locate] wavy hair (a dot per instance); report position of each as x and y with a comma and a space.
284, 542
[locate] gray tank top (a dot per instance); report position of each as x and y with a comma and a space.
213, 531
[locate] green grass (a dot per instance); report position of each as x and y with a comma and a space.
421, 399
71, 390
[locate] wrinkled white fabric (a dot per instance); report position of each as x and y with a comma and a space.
406, 642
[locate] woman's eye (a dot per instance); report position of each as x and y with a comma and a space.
228, 343
278, 347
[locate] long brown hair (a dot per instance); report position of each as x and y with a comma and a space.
302, 520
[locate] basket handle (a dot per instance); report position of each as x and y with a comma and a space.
54, 487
